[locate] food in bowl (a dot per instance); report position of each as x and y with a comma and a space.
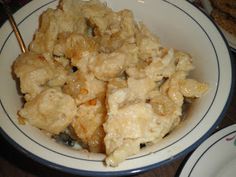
103, 79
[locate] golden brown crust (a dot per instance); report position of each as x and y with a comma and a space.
225, 21
226, 6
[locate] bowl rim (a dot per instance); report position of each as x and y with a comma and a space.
211, 144
133, 170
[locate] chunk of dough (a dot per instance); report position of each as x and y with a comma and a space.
51, 110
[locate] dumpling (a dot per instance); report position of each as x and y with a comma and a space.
51, 110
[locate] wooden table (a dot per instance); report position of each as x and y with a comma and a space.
15, 164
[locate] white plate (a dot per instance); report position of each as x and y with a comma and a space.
174, 22
216, 157
230, 38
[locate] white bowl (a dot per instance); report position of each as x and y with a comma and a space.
178, 24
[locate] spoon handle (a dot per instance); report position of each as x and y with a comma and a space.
14, 26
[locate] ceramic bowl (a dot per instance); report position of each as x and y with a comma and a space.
180, 25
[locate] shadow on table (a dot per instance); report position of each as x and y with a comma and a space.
14, 163
181, 166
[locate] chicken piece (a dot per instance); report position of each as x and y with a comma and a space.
128, 148
161, 67
131, 52
116, 91
109, 43
99, 16
119, 96
115, 84
148, 44
51, 110
128, 26
52, 23
121, 39
178, 86
104, 21
108, 66
137, 113
75, 6
154, 68
171, 87
72, 45
138, 70
77, 47
120, 28
96, 142
111, 29
132, 122
37, 73
192, 88
132, 125
88, 123
184, 61
167, 110
162, 104
139, 88
84, 87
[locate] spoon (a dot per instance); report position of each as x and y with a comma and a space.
14, 26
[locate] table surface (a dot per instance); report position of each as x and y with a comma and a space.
13, 163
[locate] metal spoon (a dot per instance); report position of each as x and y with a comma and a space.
14, 26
